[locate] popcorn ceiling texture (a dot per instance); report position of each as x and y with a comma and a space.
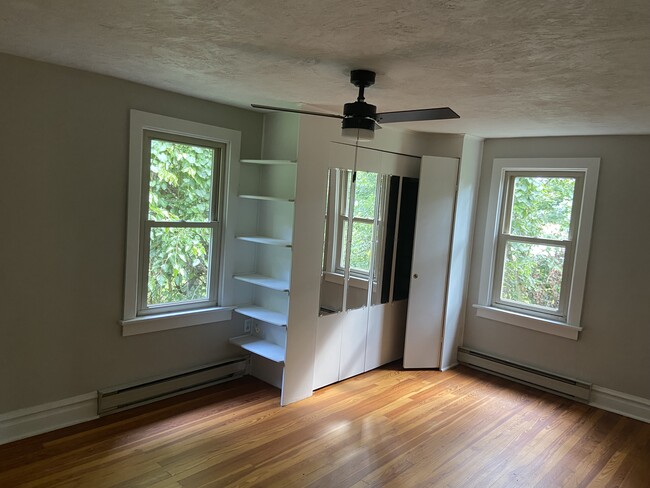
509, 68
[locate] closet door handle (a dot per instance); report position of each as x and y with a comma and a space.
415, 276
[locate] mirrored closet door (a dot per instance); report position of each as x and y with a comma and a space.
367, 245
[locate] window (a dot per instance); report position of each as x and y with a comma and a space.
537, 245
175, 230
181, 223
362, 221
339, 217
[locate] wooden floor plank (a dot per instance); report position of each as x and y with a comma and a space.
386, 428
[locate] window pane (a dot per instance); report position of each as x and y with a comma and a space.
178, 265
343, 239
364, 195
532, 274
346, 185
361, 246
541, 207
180, 182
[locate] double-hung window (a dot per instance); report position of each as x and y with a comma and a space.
175, 229
342, 212
181, 223
362, 218
537, 243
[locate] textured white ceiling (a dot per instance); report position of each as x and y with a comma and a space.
508, 67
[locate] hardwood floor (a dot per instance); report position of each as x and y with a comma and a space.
389, 428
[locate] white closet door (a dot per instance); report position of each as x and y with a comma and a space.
328, 350
431, 252
354, 331
386, 325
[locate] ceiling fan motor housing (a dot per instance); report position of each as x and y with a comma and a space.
358, 123
359, 115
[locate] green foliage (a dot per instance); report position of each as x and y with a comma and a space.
541, 207
180, 188
178, 265
361, 249
532, 274
364, 195
364, 208
180, 182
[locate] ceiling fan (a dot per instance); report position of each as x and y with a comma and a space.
360, 119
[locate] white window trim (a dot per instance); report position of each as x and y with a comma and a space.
569, 329
141, 121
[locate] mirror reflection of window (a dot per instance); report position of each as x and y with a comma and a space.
384, 261
362, 222
373, 205
331, 290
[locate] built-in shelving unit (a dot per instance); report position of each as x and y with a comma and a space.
269, 162
267, 190
264, 314
266, 197
264, 281
261, 347
269, 241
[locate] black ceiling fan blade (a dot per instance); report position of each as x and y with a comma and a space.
414, 115
295, 111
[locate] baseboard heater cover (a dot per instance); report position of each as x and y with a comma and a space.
559, 385
111, 400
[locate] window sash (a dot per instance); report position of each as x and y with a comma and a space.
341, 221
214, 223
565, 286
569, 245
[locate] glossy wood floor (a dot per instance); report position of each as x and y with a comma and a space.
385, 428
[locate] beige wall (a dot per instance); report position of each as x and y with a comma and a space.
64, 160
613, 351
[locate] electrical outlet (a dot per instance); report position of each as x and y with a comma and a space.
248, 323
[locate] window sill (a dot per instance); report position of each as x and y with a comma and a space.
174, 320
529, 322
339, 278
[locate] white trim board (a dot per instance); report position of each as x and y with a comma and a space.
31, 421
621, 403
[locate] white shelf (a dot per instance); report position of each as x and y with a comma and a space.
269, 241
263, 314
258, 346
264, 281
267, 198
269, 161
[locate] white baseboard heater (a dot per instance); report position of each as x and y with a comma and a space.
559, 385
120, 398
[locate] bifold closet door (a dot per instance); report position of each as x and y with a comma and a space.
431, 253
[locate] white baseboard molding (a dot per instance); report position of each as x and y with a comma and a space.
39, 419
615, 401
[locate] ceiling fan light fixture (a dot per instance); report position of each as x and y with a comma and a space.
364, 135
362, 128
